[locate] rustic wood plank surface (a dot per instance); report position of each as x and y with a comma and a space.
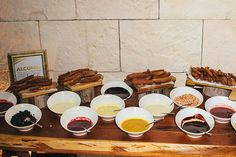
164, 139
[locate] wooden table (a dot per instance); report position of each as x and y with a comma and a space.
164, 139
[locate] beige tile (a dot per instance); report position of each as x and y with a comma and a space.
77, 44
18, 36
154, 44
219, 48
11, 10
114, 76
197, 9
121, 9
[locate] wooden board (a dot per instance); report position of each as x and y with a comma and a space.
28, 94
232, 95
82, 86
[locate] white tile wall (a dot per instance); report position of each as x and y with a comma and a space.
117, 9
11, 10
119, 37
197, 9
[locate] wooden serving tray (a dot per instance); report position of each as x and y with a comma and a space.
232, 95
82, 86
25, 94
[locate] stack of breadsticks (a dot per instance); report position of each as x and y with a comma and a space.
213, 76
33, 84
151, 78
79, 76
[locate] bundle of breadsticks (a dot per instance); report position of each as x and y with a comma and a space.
150, 80
209, 75
78, 77
33, 84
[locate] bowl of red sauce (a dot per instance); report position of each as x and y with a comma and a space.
79, 120
221, 108
7, 100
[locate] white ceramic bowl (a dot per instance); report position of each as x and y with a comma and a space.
215, 101
117, 84
9, 97
107, 99
156, 104
134, 112
34, 110
233, 121
186, 90
63, 98
78, 111
189, 112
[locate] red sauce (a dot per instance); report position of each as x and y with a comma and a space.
79, 124
222, 111
5, 105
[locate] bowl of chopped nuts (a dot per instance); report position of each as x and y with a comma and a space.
186, 97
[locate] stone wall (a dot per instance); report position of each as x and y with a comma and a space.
117, 37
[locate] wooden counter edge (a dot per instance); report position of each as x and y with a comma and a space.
109, 147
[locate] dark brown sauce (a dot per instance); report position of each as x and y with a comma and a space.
5, 105
196, 127
79, 124
118, 91
195, 124
222, 112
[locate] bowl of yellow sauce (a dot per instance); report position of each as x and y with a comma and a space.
61, 101
158, 105
134, 121
107, 106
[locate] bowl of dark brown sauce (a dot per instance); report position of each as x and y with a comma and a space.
118, 88
79, 120
195, 122
7, 100
221, 108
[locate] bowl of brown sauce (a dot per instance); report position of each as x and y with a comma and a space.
118, 88
195, 122
221, 108
79, 120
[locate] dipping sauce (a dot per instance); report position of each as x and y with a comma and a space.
62, 106
186, 100
156, 109
118, 91
135, 125
79, 124
108, 109
195, 124
222, 111
19, 119
5, 105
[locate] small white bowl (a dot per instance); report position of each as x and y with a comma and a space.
134, 112
157, 101
107, 99
189, 112
215, 101
9, 97
78, 111
186, 90
117, 84
233, 121
63, 98
34, 110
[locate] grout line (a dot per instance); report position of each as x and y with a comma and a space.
76, 13
202, 41
40, 40
159, 9
119, 45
